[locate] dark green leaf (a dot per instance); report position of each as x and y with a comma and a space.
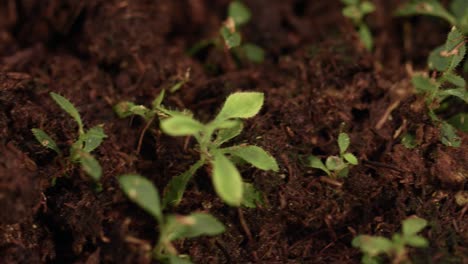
254, 53
408, 140
454, 79
175, 189
449, 136
239, 12
426, 7
460, 121
45, 140
90, 165
93, 138
252, 196
232, 39
366, 37
68, 107
424, 84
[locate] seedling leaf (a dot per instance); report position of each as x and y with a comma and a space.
416, 241
253, 53
227, 180
454, 79
424, 84
181, 126
93, 138
252, 196
158, 100
449, 136
343, 142
349, 157
174, 191
448, 56
461, 93
366, 36
126, 109
45, 140
315, 162
172, 259
142, 192
372, 245
412, 226
90, 165
68, 107
227, 134
241, 105
193, 225
239, 13
334, 163
460, 121
254, 155
232, 39
426, 7
409, 141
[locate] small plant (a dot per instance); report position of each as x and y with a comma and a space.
447, 84
80, 150
396, 248
231, 38
171, 227
227, 124
336, 166
356, 10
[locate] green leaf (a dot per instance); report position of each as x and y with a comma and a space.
224, 135
366, 259
343, 142
372, 245
367, 7
241, 105
412, 226
416, 241
90, 165
93, 138
254, 155
239, 12
334, 163
350, 2
68, 107
449, 136
126, 109
315, 162
447, 57
461, 93
349, 157
232, 39
252, 196
227, 180
426, 7
142, 192
460, 121
459, 8
193, 225
424, 84
172, 259
454, 79
45, 140
253, 53
175, 189
353, 13
366, 37
181, 126
158, 100
408, 140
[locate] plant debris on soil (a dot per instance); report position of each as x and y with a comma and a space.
316, 77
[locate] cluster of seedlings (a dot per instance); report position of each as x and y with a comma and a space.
439, 89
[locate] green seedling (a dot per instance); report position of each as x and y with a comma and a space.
171, 227
80, 150
336, 166
447, 83
456, 17
356, 10
231, 38
218, 160
397, 247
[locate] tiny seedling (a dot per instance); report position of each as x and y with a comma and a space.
230, 37
437, 89
226, 125
395, 248
336, 166
80, 150
171, 227
356, 10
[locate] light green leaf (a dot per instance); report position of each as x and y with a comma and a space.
315, 162
460, 121
175, 189
343, 142
193, 225
45, 140
334, 163
241, 105
90, 165
126, 109
227, 180
158, 100
252, 196
416, 241
353, 13
253, 53
412, 226
454, 79
68, 107
449, 136
181, 126
93, 138
142, 192
239, 12
367, 7
172, 259
254, 155
224, 135
426, 7
366, 37
349, 157
231, 39
424, 84
372, 245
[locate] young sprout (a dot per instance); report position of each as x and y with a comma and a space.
80, 150
395, 248
437, 89
171, 227
230, 36
336, 166
226, 125
356, 10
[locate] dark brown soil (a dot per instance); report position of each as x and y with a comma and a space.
316, 76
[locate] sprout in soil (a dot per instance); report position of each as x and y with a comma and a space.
356, 10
